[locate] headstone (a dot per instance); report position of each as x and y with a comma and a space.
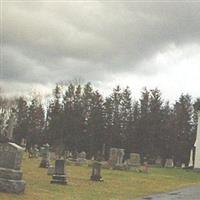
158, 161
116, 158
51, 170
81, 160
96, 172
53, 156
35, 151
113, 156
10, 168
59, 176
45, 162
105, 165
169, 163
183, 165
197, 145
134, 161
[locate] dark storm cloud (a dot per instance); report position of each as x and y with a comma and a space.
48, 42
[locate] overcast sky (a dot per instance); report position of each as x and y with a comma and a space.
135, 43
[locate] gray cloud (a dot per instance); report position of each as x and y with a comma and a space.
47, 42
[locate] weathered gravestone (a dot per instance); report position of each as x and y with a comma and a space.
10, 168
158, 161
35, 151
53, 156
169, 163
59, 176
96, 172
134, 161
50, 170
44, 152
81, 159
113, 156
116, 158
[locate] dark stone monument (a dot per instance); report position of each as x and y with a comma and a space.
10, 165
96, 172
45, 162
59, 176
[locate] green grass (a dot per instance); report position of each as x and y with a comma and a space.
117, 185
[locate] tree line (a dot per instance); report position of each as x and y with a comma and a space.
78, 118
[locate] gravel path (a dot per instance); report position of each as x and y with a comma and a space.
191, 193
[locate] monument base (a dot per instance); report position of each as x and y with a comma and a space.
133, 167
10, 174
96, 178
196, 170
12, 186
44, 164
59, 179
119, 167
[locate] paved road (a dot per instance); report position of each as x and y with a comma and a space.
191, 193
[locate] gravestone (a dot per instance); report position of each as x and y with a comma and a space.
81, 159
35, 151
10, 168
116, 158
53, 156
158, 161
50, 170
113, 156
45, 162
134, 161
197, 147
96, 172
169, 163
59, 176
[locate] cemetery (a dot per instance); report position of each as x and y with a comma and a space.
42, 173
46, 178
100, 100
52, 173
117, 184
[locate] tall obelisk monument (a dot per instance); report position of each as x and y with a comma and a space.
197, 145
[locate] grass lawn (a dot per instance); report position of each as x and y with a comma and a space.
117, 185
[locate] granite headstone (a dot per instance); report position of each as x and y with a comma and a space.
10, 168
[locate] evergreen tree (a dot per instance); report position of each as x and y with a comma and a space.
126, 119
183, 129
36, 123
54, 125
21, 129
